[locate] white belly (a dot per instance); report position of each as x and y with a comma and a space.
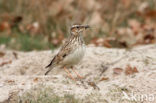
75, 57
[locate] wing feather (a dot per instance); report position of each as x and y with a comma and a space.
64, 51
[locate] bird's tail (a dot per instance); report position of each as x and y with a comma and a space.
48, 70
49, 65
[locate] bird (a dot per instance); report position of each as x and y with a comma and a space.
71, 52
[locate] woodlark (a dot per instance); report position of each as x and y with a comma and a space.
71, 52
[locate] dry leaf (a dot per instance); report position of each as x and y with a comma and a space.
10, 81
135, 70
129, 70
117, 71
149, 39
16, 20
35, 79
94, 41
4, 26
150, 13
5, 62
2, 54
33, 28
123, 44
107, 44
104, 78
23, 83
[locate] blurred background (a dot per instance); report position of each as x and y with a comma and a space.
43, 24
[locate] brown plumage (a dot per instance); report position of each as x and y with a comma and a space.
72, 51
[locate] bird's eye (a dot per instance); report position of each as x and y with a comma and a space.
77, 27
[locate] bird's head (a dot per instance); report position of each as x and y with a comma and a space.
77, 29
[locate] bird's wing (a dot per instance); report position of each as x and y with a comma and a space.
64, 51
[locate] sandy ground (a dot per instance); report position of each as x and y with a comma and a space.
107, 76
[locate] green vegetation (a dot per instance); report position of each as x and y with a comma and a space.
4, 40
25, 42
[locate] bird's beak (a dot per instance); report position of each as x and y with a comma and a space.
86, 26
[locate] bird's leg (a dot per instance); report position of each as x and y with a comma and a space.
66, 70
78, 75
